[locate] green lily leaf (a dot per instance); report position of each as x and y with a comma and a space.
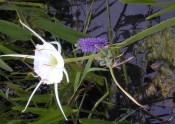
36, 98
95, 121
161, 12
4, 66
53, 116
139, 1
156, 28
62, 31
2, 94
6, 50
148, 2
14, 31
41, 111
3, 121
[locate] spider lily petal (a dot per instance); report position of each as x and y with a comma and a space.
58, 101
32, 95
58, 45
19, 55
33, 32
65, 72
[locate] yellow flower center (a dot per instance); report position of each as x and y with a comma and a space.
53, 61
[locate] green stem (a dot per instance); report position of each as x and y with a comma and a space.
125, 73
81, 103
126, 93
88, 18
109, 22
82, 58
100, 100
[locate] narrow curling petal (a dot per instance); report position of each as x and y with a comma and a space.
58, 101
58, 45
65, 72
32, 31
19, 55
32, 95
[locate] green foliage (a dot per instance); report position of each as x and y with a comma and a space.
61, 30
156, 28
149, 2
153, 2
94, 121
5, 66
139, 1
8, 28
161, 12
85, 72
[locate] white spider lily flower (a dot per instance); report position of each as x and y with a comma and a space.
48, 65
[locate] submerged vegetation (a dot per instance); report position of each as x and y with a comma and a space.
102, 87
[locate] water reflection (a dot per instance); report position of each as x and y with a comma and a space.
126, 21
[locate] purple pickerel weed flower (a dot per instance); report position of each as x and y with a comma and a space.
88, 44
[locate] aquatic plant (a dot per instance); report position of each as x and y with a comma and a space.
85, 70
88, 44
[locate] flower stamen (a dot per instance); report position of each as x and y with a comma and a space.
30, 73
38, 49
25, 57
47, 65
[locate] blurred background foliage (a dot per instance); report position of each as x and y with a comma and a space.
87, 99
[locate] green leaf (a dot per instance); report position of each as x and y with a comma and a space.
148, 2
53, 116
62, 31
34, 110
161, 12
2, 93
88, 65
4, 66
14, 31
36, 98
77, 79
139, 1
6, 50
95, 121
91, 77
29, 3
156, 28
97, 69
3, 121
14, 86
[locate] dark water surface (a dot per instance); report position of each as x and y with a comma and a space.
126, 20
